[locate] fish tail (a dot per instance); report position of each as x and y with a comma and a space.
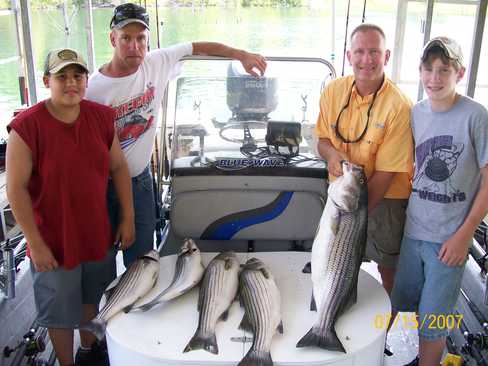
255, 357
199, 341
328, 341
97, 327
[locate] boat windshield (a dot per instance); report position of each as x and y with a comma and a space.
217, 111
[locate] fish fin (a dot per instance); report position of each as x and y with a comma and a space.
246, 323
148, 306
96, 327
255, 357
228, 264
224, 316
334, 223
307, 268
128, 308
198, 341
313, 305
265, 273
329, 341
280, 327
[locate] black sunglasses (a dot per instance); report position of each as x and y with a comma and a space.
129, 11
336, 127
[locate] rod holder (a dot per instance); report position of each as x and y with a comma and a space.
7, 273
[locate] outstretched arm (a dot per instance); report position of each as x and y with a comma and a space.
250, 61
454, 251
19, 170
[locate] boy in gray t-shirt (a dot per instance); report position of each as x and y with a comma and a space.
449, 198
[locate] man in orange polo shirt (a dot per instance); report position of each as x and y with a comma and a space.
365, 119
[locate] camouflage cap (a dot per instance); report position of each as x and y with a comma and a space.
60, 58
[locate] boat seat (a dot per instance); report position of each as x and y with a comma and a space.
247, 207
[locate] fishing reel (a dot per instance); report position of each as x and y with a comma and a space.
33, 343
477, 340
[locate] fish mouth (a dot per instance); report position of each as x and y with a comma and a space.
189, 246
152, 255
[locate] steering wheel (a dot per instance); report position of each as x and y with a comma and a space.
246, 126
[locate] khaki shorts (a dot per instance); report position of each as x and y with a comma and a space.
385, 232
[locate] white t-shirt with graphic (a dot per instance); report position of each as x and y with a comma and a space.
137, 101
451, 148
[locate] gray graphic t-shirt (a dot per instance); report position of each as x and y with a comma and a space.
450, 150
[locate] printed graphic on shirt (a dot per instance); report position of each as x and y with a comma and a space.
134, 117
436, 161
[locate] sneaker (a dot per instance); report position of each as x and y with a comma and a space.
96, 356
414, 362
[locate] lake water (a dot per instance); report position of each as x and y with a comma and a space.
305, 31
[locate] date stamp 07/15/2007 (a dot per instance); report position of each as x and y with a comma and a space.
411, 321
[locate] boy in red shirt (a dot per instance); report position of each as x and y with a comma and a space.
60, 154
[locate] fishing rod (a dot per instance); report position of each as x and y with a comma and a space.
32, 344
479, 316
364, 11
157, 199
471, 346
157, 25
345, 37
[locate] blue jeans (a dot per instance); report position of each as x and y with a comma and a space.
426, 285
144, 214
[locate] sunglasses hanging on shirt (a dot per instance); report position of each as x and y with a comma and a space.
336, 128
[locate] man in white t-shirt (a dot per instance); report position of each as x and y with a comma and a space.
133, 83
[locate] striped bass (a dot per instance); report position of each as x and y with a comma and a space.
217, 292
122, 293
188, 273
337, 254
262, 305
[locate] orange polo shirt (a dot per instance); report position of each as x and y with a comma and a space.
387, 145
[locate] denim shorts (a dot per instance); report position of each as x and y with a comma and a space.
425, 285
144, 214
59, 294
385, 232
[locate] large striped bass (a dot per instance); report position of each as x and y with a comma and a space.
217, 292
188, 273
121, 294
337, 253
262, 311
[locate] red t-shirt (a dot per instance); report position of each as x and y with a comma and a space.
68, 185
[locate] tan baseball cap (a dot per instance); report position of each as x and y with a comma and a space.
60, 58
450, 47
